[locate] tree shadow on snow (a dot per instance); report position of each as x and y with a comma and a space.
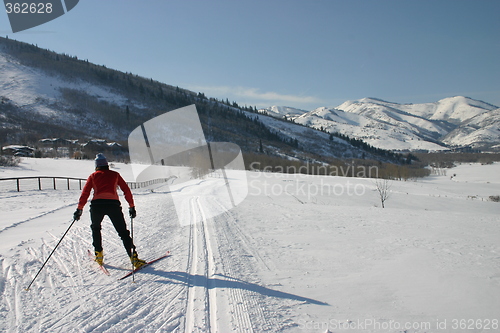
229, 282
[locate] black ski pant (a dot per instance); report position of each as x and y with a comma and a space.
113, 210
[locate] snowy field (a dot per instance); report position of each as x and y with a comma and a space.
300, 254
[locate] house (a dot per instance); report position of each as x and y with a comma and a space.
58, 142
22, 151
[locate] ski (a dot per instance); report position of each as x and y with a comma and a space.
103, 269
147, 264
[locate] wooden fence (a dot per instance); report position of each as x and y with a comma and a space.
58, 183
134, 185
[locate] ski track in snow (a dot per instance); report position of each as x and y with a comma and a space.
198, 297
214, 260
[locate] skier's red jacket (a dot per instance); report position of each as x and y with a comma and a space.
105, 183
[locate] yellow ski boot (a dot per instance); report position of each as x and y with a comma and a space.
138, 263
99, 257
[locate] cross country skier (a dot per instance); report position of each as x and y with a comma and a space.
105, 201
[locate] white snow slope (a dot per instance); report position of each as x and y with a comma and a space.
300, 254
39, 97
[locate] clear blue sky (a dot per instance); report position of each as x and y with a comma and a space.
300, 53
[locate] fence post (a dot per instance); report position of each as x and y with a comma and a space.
68, 182
39, 184
18, 189
54, 180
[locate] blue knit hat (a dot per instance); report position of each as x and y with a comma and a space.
100, 160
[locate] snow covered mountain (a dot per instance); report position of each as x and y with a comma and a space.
451, 122
283, 111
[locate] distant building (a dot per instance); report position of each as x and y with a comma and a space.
101, 143
114, 145
58, 142
22, 151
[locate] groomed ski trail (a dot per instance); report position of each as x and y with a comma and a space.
201, 307
220, 263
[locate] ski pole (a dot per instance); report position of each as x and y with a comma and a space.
132, 250
50, 255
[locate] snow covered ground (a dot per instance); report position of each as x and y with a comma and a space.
300, 254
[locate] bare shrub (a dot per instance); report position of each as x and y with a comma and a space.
9, 160
494, 198
383, 189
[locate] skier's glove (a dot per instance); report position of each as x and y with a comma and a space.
77, 214
132, 212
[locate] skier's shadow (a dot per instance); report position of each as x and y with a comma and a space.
224, 281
